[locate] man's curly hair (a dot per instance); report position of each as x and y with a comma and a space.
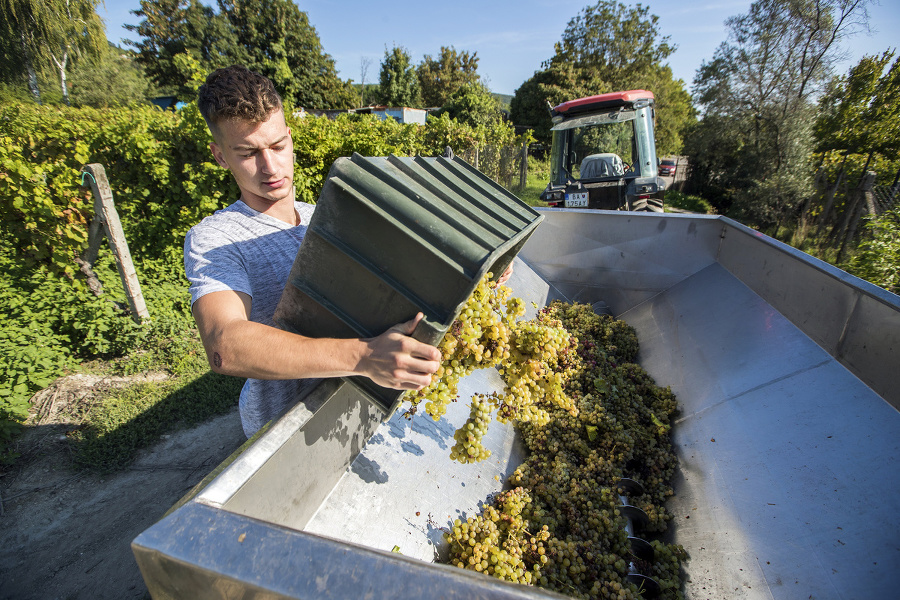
237, 93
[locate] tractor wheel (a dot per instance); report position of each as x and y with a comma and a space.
648, 205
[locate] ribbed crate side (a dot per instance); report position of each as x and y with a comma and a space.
366, 301
349, 214
502, 206
426, 216
472, 204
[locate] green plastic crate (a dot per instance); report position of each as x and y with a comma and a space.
394, 236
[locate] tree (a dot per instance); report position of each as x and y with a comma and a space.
275, 38
557, 83
112, 80
440, 77
278, 41
172, 28
613, 40
607, 47
861, 112
474, 105
757, 96
364, 63
50, 34
398, 84
675, 112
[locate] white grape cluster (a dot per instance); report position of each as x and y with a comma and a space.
477, 339
535, 359
542, 359
497, 542
468, 447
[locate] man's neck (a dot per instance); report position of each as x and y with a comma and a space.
283, 210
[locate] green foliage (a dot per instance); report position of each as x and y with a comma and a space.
181, 38
51, 35
473, 104
861, 112
11, 93
275, 38
613, 39
853, 164
608, 47
32, 352
696, 204
750, 154
878, 259
113, 79
442, 76
172, 28
164, 181
530, 106
398, 83
675, 112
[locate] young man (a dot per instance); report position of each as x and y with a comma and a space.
239, 258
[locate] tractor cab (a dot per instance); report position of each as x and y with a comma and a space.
604, 154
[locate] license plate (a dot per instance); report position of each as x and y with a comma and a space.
577, 200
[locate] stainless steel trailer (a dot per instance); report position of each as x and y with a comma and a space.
786, 371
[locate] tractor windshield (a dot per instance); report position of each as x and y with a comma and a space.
602, 145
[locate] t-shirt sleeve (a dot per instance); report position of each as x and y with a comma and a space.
212, 263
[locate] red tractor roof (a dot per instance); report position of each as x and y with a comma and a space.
602, 101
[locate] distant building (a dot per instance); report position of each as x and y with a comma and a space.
401, 114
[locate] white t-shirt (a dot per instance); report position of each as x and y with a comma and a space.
240, 249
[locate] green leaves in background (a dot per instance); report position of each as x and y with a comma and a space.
163, 181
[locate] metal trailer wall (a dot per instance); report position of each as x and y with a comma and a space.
786, 370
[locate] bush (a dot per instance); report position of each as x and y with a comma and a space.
878, 259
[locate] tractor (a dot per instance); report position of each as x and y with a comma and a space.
603, 154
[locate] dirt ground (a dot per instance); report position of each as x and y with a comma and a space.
66, 535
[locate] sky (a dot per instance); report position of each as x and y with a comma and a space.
512, 37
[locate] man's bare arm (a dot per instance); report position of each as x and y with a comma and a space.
237, 346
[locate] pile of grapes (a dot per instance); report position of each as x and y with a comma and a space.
589, 416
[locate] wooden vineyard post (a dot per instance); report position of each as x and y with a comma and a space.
523, 167
105, 214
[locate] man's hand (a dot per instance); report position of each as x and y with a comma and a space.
395, 360
506, 274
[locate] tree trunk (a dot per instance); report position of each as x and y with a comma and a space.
829, 199
807, 205
61, 65
860, 200
29, 68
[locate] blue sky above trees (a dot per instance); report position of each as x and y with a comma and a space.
511, 38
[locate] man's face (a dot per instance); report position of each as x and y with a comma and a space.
261, 158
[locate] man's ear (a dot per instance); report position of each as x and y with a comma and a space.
217, 154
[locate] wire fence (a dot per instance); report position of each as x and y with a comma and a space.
886, 197
838, 206
507, 165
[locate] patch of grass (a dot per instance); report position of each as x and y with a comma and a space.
123, 420
132, 418
695, 204
535, 183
